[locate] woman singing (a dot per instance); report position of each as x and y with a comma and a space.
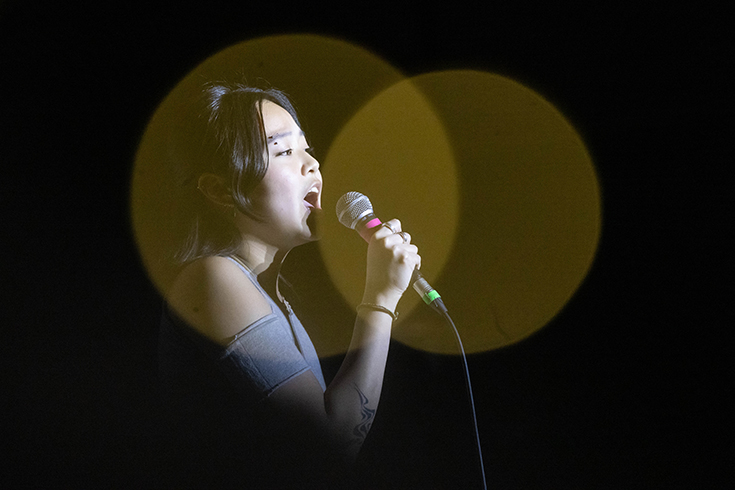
237, 366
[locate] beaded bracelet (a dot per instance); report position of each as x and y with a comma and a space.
378, 308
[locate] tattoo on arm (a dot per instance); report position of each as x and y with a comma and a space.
361, 430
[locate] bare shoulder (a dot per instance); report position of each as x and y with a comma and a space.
214, 296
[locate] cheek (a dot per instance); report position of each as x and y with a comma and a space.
274, 192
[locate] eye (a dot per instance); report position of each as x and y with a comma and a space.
284, 152
310, 151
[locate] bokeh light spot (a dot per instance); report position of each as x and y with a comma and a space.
530, 217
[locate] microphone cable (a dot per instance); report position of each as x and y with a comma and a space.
442, 310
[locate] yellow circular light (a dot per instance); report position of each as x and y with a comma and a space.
530, 219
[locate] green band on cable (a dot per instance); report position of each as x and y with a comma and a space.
431, 296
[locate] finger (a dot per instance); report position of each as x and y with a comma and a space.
416, 257
388, 228
398, 240
413, 259
407, 252
394, 225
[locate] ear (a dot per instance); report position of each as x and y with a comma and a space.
213, 187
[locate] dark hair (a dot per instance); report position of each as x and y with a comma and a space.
223, 135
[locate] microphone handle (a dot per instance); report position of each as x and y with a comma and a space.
427, 293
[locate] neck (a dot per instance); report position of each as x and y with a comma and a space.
264, 261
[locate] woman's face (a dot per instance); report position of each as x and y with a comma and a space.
289, 195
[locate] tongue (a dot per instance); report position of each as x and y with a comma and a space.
310, 199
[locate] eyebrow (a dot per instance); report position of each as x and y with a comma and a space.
277, 136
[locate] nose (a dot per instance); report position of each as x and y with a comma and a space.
310, 164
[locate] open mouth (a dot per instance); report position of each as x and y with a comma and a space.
311, 199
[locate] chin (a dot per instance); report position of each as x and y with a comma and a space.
313, 222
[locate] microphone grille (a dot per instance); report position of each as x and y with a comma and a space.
351, 207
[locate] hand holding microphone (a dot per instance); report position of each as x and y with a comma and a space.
354, 210
391, 261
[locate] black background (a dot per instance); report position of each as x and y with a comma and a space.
628, 387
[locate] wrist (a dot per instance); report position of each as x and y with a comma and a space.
388, 301
379, 308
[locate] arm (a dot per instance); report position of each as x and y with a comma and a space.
342, 416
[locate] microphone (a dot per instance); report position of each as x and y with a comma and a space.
355, 211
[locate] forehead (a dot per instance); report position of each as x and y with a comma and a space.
276, 119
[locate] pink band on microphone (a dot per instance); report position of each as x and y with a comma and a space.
373, 223
367, 231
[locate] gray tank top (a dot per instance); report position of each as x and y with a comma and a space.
271, 351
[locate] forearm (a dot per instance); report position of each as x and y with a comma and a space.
336, 422
351, 400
